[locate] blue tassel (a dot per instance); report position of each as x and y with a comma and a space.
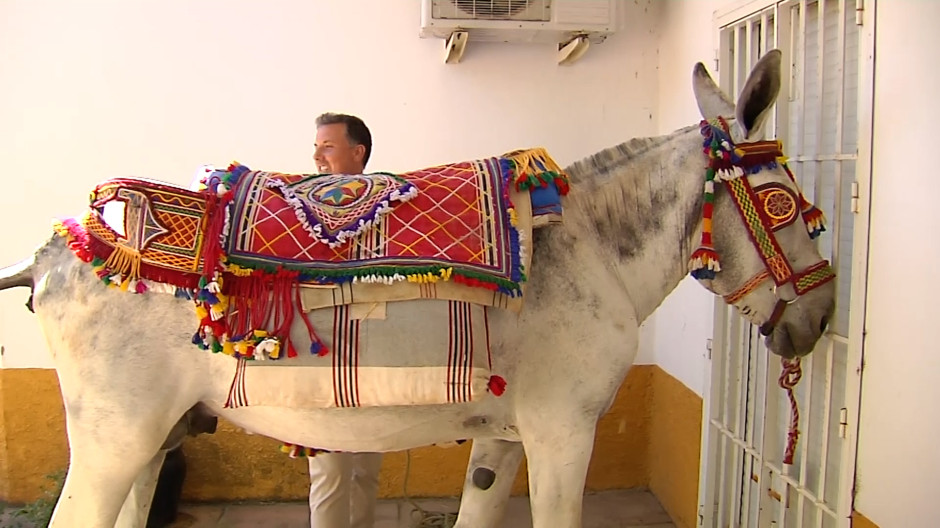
209, 297
703, 273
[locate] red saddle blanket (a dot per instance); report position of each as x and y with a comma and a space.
454, 222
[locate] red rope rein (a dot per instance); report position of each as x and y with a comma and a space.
789, 377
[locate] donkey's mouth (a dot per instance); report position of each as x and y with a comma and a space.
781, 343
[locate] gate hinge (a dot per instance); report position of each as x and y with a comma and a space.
708, 348
854, 197
859, 11
843, 421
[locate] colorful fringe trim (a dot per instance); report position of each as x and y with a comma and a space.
723, 161
295, 451
121, 269
726, 162
236, 329
535, 168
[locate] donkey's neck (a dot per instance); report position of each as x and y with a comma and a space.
643, 199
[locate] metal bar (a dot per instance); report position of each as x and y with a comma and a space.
783, 40
711, 407
722, 480
819, 176
831, 349
805, 434
739, 398
827, 414
801, 72
801, 65
747, 463
749, 58
838, 187
824, 157
726, 61
723, 448
736, 441
788, 480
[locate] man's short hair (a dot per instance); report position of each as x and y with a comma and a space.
356, 130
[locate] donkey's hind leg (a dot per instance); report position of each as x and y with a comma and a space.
490, 474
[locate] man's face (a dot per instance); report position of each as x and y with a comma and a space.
334, 154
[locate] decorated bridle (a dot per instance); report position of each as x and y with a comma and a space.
764, 209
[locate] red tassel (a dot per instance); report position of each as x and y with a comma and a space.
497, 385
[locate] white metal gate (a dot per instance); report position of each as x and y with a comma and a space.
743, 480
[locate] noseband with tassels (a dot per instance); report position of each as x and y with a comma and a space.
764, 209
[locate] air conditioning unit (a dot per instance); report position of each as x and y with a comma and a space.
546, 21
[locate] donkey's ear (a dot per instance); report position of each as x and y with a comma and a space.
712, 102
759, 94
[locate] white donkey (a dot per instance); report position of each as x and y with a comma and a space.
633, 219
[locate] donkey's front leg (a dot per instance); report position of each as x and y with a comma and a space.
490, 473
136, 507
105, 460
558, 452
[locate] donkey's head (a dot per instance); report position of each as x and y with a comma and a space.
756, 220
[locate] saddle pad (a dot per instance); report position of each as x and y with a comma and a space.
421, 353
457, 226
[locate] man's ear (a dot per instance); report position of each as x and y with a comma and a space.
360, 152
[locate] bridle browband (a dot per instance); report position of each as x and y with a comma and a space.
763, 210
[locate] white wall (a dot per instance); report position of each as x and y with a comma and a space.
679, 329
94, 90
898, 459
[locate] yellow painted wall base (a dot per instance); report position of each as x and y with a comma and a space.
32, 433
860, 521
648, 439
675, 442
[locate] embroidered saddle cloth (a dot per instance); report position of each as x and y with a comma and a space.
460, 231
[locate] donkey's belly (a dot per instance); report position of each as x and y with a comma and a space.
376, 428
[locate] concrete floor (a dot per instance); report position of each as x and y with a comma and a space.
612, 509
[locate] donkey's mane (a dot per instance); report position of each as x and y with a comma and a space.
608, 162
624, 191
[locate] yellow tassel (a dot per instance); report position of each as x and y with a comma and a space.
524, 160
125, 261
276, 353
513, 218
228, 348
125, 284
201, 312
237, 270
241, 347
260, 333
